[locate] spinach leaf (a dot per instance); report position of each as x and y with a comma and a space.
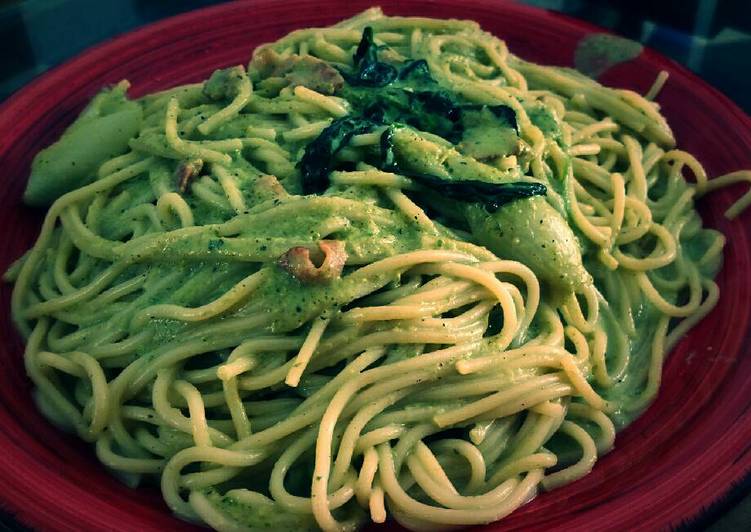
439, 102
414, 98
370, 71
417, 70
429, 111
388, 157
505, 114
491, 195
495, 322
318, 159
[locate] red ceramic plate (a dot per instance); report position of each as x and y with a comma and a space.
684, 453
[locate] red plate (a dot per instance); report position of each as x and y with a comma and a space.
680, 457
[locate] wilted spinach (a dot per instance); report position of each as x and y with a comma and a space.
382, 95
370, 71
318, 159
491, 195
417, 70
505, 114
429, 111
409, 96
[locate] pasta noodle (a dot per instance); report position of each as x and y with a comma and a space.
388, 270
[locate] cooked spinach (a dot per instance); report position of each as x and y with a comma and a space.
429, 111
495, 322
491, 195
370, 71
410, 95
505, 114
417, 70
434, 111
414, 98
318, 159
388, 157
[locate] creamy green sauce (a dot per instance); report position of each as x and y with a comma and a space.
436, 137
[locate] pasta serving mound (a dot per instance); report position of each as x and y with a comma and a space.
388, 269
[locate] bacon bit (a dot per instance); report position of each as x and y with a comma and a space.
295, 70
223, 83
315, 75
264, 62
330, 253
268, 187
186, 171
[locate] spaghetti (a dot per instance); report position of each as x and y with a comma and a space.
389, 269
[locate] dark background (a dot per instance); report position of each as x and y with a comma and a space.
710, 37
